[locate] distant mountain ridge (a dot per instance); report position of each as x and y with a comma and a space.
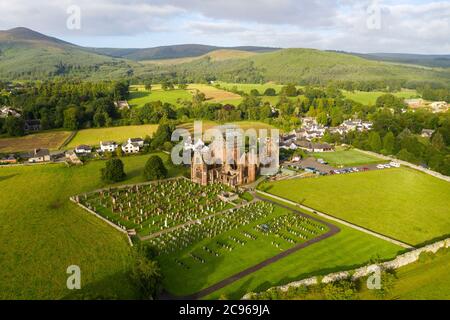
172, 52
27, 54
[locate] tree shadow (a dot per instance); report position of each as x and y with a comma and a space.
114, 287
2, 178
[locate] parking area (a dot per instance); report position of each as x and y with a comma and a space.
322, 168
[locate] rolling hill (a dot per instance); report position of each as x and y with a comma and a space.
26, 54
427, 60
173, 52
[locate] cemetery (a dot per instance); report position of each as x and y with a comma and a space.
154, 207
198, 233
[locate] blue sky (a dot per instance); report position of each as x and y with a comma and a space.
414, 26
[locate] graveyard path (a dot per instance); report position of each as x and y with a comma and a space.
221, 284
157, 234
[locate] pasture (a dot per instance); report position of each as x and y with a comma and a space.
247, 87
139, 96
92, 137
51, 140
244, 125
401, 203
369, 98
43, 233
426, 279
347, 158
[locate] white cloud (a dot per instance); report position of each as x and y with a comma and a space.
406, 26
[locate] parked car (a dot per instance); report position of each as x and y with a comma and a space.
380, 166
394, 164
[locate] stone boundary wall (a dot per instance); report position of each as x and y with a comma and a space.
74, 200
102, 218
407, 164
400, 261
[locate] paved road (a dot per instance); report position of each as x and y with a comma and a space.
219, 285
346, 223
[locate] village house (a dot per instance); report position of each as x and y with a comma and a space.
32, 125
39, 155
108, 146
427, 133
131, 147
9, 159
138, 141
83, 149
123, 104
414, 103
438, 106
6, 112
314, 147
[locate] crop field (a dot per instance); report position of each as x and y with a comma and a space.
369, 98
92, 137
244, 125
347, 158
49, 140
43, 233
214, 94
402, 203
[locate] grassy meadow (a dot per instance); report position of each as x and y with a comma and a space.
402, 203
92, 137
347, 158
49, 140
42, 233
369, 98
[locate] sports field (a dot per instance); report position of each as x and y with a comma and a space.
402, 203
92, 137
49, 140
369, 98
347, 158
244, 125
42, 233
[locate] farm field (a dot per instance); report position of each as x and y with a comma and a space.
402, 203
139, 96
247, 87
34, 201
369, 98
92, 137
425, 279
244, 125
49, 140
347, 249
214, 94
347, 158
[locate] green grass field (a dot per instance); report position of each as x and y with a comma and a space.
369, 98
42, 233
346, 250
347, 158
139, 96
402, 203
51, 140
423, 280
247, 87
93, 137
